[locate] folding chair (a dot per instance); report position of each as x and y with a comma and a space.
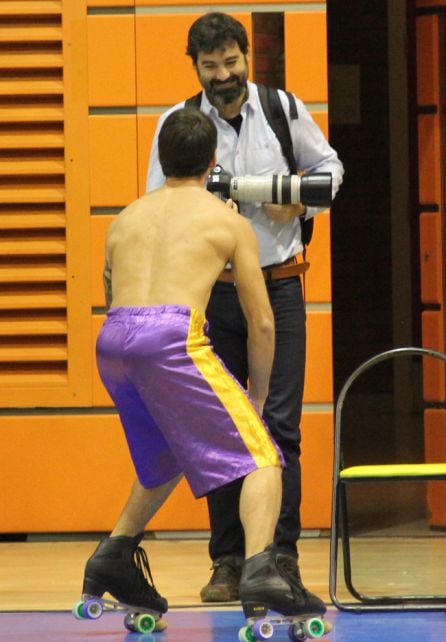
340, 527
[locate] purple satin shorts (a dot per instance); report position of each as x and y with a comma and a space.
182, 411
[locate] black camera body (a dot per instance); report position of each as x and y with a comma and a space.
311, 189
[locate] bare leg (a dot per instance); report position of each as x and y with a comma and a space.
260, 502
141, 506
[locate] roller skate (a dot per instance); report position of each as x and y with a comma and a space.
120, 567
271, 582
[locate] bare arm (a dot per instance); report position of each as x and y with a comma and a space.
107, 272
107, 281
283, 213
256, 307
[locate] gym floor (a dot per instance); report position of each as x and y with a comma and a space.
217, 625
41, 578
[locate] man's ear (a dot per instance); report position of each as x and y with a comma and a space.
213, 162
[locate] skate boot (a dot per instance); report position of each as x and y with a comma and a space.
224, 583
120, 567
271, 580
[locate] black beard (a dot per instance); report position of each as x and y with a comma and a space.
225, 95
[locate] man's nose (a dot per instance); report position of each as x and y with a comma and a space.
223, 74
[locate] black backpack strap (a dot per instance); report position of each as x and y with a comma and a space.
194, 101
275, 115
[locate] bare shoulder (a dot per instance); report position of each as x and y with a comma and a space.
227, 213
136, 206
244, 230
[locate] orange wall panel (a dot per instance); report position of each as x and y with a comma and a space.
146, 128
428, 155
431, 254
319, 363
113, 160
182, 511
99, 227
321, 119
428, 91
111, 60
435, 447
110, 3
317, 469
46, 467
318, 278
156, 3
171, 78
306, 75
434, 371
101, 398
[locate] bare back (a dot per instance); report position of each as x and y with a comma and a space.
169, 247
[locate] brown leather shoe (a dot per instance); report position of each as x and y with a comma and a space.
225, 580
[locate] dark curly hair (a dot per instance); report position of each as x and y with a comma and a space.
186, 143
212, 30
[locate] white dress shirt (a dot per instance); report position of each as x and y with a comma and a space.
257, 151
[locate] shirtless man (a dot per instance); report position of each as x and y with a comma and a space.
182, 412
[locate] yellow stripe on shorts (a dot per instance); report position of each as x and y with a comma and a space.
231, 395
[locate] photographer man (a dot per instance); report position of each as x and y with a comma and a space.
218, 46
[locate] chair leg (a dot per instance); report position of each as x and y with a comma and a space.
379, 602
340, 530
333, 575
345, 535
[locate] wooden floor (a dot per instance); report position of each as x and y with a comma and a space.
47, 575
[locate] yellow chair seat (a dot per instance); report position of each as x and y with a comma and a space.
392, 471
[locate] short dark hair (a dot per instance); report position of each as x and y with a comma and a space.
211, 31
186, 143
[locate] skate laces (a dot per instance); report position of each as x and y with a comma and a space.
287, 566
142, 564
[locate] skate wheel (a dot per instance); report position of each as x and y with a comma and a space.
145, 623
246, 634
314, 628
262, 629
129, 622
296, 633
77, 610
92, 609
140, 623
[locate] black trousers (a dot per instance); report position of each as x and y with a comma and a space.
282, 410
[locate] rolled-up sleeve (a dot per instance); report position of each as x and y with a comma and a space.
312, 151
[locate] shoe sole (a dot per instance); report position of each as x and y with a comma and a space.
218, 595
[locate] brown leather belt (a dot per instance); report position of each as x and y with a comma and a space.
290, 267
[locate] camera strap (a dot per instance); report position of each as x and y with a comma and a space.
275, 115
194, 101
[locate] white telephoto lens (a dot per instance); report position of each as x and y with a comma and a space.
281, 189
251, 189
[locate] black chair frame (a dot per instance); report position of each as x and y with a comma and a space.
340, 523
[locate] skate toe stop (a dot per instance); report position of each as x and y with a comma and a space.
328, 626
161, 625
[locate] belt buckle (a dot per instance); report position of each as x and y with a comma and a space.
268, 275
